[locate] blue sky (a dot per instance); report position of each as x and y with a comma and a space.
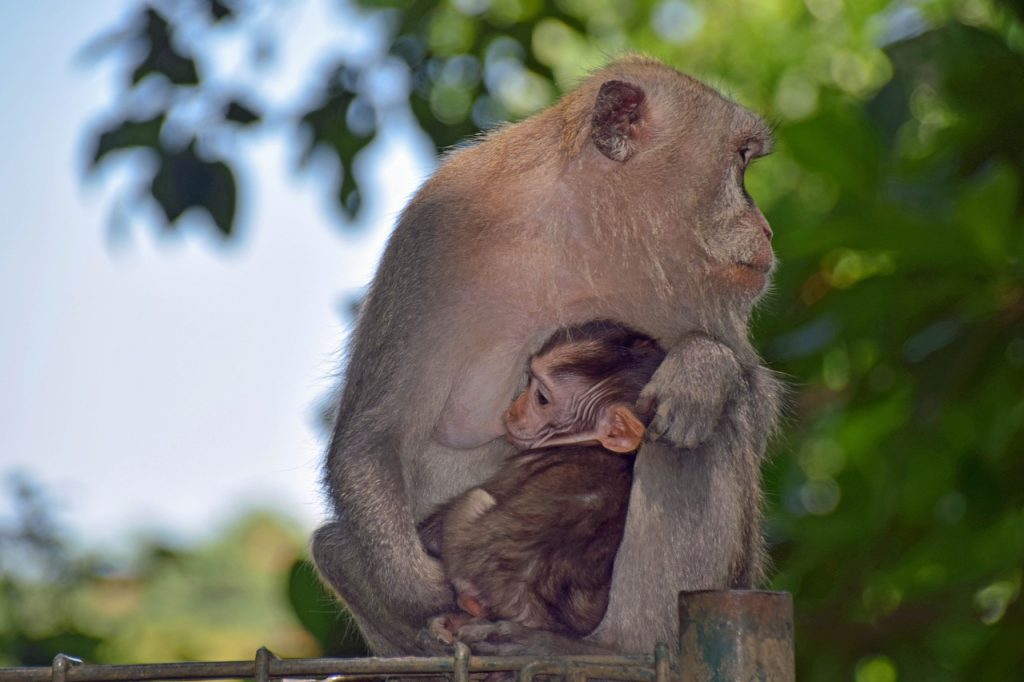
161, 382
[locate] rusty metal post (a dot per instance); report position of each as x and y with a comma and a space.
736, 635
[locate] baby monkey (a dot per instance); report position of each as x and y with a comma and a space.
536, 543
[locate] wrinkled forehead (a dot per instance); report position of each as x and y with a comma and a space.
563, 358
543, 364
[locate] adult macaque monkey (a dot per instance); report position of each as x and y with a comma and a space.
624, 201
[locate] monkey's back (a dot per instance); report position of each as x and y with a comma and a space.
543, 554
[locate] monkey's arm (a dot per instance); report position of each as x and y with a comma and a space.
431, 530
370, 552
383, 596
691, 388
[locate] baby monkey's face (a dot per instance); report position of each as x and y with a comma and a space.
547, 408
563, 408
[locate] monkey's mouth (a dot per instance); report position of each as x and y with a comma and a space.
750, 275
527, 441
510, 434
761, 267
516, 440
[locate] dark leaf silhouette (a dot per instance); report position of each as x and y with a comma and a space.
186, 181
318, 612
220, 10
162, 58
128, 135
327, 129
241, 114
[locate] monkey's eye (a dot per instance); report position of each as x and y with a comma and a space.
541, 398
746, 153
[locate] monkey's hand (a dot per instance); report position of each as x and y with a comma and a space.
508, 638
690, 389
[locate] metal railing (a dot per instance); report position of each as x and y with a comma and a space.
723, 635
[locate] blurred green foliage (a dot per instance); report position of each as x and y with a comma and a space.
245, 587
896, 497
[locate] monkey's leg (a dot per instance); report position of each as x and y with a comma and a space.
685, 530
694, 520
756, 412
691, 388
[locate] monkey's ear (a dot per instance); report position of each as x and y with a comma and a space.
618, 115
620, 430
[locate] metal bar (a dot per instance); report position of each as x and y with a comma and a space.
576, 675
61, 665
460, 668
736, 635
341, 668
573, 670
723, 635
262, 664
661, 662
527, 672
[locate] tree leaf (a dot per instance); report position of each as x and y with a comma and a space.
321, 615
326, 123
162, 58
241, 114
186, 181
220, 10
128, 134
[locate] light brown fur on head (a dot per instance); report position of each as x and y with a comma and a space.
675, 217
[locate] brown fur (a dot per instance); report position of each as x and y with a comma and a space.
531, 229
536, 542
541, 553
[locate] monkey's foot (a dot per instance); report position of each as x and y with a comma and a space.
493, 638
508, 638
443, 628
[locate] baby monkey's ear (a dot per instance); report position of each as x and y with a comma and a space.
620, 430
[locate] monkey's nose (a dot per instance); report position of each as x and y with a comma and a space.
765, 227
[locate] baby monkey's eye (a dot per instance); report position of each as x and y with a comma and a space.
541, 398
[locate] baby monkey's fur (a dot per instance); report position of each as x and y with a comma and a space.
536, 542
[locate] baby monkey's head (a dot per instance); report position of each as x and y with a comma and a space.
583, 388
